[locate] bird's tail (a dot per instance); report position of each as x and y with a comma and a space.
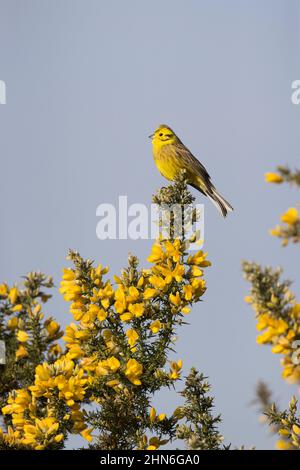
221, 204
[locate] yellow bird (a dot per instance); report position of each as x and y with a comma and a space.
171, 156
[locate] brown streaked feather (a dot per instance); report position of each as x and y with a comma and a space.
189, 159
196, 172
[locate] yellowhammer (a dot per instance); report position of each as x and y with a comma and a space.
171, 156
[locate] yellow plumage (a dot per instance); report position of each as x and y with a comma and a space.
171, 156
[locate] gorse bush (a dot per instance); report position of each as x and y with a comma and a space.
99, 376
278, 319
290, 230
117, 353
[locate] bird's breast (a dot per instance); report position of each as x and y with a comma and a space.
167, 162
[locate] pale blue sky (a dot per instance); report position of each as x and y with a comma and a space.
87, 81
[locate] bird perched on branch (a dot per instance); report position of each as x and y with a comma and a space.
171, 156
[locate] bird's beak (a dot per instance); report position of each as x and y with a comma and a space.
151, 136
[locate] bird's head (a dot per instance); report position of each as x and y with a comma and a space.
163, 135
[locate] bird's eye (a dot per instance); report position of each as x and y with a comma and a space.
161, 134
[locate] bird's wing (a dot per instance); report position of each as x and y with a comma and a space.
191, 162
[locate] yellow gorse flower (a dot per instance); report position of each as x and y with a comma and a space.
17, 308
291, 216
21, 352
149, 293
22, 336
175, 369
108, 366
156, 326
12, 323
86, 433
69, 287
133, 371
13, 295
132, 336
52, 327
154, 417
3, 290
157, 254
137, 309
273, 178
